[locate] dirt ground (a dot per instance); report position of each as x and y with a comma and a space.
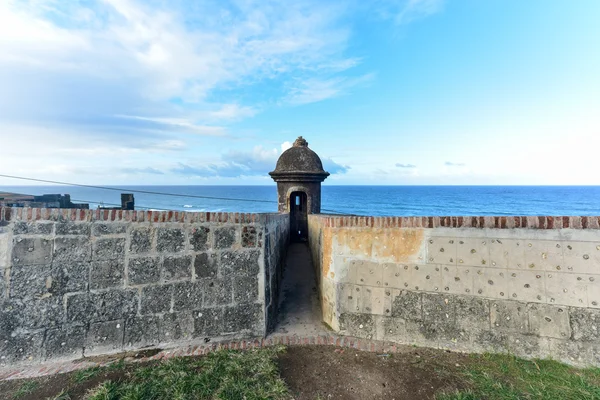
322, 372
312, 372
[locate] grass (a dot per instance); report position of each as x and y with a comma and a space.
505, 377
26, 388
230, 375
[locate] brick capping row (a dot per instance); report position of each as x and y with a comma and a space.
369, 345
8, 214
493, 222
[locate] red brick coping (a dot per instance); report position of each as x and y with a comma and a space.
531, 222
374, 346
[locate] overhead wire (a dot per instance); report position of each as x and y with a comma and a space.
149, 192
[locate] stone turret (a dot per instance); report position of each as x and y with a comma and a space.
299, 171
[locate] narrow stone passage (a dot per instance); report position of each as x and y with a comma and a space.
299, 306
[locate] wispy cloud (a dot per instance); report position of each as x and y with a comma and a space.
454, 164
406, 11
147, 170
314, 90
408, 166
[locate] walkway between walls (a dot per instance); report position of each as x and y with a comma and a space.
299, 305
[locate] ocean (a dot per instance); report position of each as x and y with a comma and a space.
358, 200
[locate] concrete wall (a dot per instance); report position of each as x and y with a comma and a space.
525, 285
81, 282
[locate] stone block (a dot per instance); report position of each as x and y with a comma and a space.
21, 347
407, 305
225, 237
209, 322
543, 255
177, 268
426, 278
72, 249
566, 289
491, 341
582, 257
473, 252
34, 313
490, 282
585, 324
142, 270
103, 306
527, 346
156, 299
9, 319
499, 253
373, 300
244, 318
199, 238
141, 332
5, 250
33, 228
40, 281
109, 249
396, 275
105, 337
442, 250
358, 325
472, 313
176, 326
206, 265
369, 273
187, 296
67, 342
31, 251
217, 292
170, 240
141, 240
394, 330
571, 352
240, 263
509, 316
549, 320
457, 279
439, 309
107, 274
245, 289
250, 236
73, 228
73, 277
101, 229
529, 286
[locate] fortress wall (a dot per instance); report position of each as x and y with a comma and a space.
84, 282
525, 285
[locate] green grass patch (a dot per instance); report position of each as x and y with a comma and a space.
505, 377
26, 388
231, 375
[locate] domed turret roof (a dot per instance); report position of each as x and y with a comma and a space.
299, 163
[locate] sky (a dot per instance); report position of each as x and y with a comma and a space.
389, 92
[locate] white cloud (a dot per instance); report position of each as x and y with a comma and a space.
406, 11
314, 90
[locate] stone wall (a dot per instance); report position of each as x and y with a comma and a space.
80, 282
525, 285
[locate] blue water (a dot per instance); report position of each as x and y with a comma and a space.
360, 200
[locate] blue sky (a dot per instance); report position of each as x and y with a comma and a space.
386, 91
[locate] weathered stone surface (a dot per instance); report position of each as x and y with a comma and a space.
170, 240
107, 274
208, 322
31, 251
73, 228
492, 341
141, 240
407, 305
225, 237
394, 329
250, 236
21, 347
37, 313
585, 323
141, 332
177, 326
472, 313
65, 342
143, 270
104, 306
526, 346
104, 337
549, 321
217, 292
245, 289
200, 238
100, 229
33, 228
509, 316
205, 265
244, 318
72, 249
109, 249
359, 325
177, 268
187, 296
240, 263
156, 299
571, 352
